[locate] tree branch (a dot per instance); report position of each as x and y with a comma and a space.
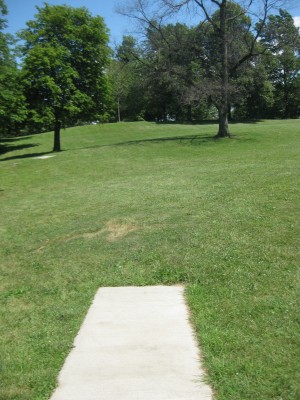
207, 16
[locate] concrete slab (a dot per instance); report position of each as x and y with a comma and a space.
135, 343
43, 157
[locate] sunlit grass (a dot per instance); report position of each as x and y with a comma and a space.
144, 204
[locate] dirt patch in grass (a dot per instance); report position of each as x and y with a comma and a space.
114, 231
117, 231
14, 392
84, 235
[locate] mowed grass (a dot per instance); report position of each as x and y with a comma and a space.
146, 204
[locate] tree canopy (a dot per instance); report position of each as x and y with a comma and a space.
230, 33
12, 101
235, 63
65, 55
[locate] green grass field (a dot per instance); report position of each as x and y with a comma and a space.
145, 204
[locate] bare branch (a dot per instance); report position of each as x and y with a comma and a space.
140, 13
243, 12
207, 16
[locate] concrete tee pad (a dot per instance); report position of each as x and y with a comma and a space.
43, 157
135, 343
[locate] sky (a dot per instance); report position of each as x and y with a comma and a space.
21, 11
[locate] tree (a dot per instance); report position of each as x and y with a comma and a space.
172, 66
12, 102
282, 39
256, 97
65, 57
124, 77
221, 15
154, 79
13, 111
3, 40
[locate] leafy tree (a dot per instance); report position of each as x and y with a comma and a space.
125, 73
221, 15
257, 91
282, 38
65, 56
3, 38
161, 72
12, 102
13, 111
128, 52
170, 54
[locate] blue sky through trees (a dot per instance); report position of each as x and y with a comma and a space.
20, 11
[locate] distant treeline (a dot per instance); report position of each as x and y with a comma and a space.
68, 75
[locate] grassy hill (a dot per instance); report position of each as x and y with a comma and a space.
144, 204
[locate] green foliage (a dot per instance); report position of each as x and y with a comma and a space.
126, 74
171, 50
13, 111
282, 38
216, 69
12, 102
3, 13
176, 72
127, 52
49, 84
239, 38
257, 91
65, 56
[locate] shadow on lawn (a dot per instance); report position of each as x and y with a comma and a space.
30, 155
8, 144
14, 139
7, 148
192, 139
209, 122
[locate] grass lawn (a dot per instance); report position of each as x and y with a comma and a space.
145, 204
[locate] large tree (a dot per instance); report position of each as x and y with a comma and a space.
12, 101
282, 38
257, 95
126, 76
155, 78
173, 63
221, 15
65, 55
3, 42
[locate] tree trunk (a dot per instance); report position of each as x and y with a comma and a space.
223, 122
57, 127
119, 111
223, 106
286, 100
189, 113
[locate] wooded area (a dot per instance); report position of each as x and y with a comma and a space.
233, 65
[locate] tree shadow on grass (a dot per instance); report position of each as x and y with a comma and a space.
209, 122
191, 139
14, 139
8, 144
194, 139
7, 148
30, 155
